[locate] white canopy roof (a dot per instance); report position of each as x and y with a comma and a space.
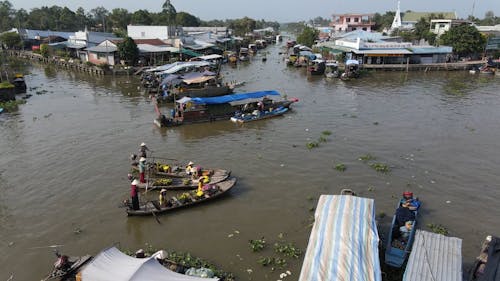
113, 265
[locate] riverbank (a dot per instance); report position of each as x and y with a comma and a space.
71, 64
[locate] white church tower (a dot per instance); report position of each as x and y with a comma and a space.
396, 23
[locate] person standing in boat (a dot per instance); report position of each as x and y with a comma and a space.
142, 150
162, 198
142, 169
134, 195
189, 168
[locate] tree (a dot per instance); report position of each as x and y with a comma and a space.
20, 18
465, 40
186, 19
169, 12
128, 51
82, 19
44, 50
141, 17
99, 15
119, 18
5, 15
308, 36
383, 21
10, 39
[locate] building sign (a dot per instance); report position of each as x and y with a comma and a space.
493, 43
387, 45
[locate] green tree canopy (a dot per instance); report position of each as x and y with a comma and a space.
465, 40
128, 51
142, 17
119, 18
308, 36
186, 19
168, 12
10, 39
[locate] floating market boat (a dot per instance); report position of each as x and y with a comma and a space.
197, 110
180, 183
19, 83
162, 169
399, 247
112, 264
258, 115
487, 264
186, 199
65, 266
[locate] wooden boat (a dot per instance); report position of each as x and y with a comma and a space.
154, 207
316, 67
157, 169
485, 263
19, 84
179, 183
73, 264
259, 115
398, 248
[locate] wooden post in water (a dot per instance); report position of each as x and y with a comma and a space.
407, 63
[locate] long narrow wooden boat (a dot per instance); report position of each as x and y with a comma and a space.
179, 183
176, 171
75, 264
154, 207
397, 248
487, 263
244, 118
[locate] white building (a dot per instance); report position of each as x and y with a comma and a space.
161, 32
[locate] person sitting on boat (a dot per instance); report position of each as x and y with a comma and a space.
142, 169
409, 202
134, 194
133, 158
140, 254
189, 168
196, 172
204, 179
162, 198
405, 230
260, 105
199, 191
142, 150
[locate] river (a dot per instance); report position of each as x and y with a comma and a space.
64, 162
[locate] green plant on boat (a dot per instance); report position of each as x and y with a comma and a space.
438, 228
11, 105
6, 85
366, 157
380, 167
257, 245
340, 167
186, 181
288, 250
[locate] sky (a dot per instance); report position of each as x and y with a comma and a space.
277, 10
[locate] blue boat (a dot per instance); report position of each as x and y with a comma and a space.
398, 246
258, 115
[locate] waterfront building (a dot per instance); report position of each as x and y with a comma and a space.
32, 38
410, 18
440, 26
161, 32
350, 22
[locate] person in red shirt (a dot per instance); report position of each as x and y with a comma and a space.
134, 194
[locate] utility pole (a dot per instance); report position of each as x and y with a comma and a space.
473, 7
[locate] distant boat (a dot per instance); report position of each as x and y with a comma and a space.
259, 115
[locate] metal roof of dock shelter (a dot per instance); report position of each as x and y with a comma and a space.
343, 244
434, 257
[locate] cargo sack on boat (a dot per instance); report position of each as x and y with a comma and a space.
200, 272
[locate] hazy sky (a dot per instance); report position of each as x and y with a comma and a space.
277, 10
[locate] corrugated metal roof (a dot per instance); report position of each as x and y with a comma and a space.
434, 257
431, 50
383, 51
102, 49
416, 16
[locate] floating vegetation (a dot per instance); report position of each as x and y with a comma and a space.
366, 157
326, 133
288, 250
187, 261
340, 167
381, 215
312, 144
258, 245
42, 92
272, 261
11, 105
322, 139
438, 228
380, 167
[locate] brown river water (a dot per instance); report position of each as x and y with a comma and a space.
64, 161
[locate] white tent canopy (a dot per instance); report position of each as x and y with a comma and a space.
113, 265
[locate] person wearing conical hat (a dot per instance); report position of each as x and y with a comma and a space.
134, 194
163, 197
142, 150
142, 169
189, 168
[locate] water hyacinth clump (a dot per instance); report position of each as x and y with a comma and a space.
257, 245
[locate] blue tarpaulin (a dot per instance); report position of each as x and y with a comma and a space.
234, 97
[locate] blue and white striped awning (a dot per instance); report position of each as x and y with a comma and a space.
344, 241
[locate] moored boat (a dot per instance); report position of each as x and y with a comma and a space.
19, 83
181, 183
160, 168
316, 67
402, 231
65, 266
186, 199
258, 115
487, 263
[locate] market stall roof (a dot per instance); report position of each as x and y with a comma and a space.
230, 98
111, 264
383, 52
434, 257
343, 244
348, 62
200, 79
185, 65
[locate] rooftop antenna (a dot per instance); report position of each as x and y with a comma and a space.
473, 6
